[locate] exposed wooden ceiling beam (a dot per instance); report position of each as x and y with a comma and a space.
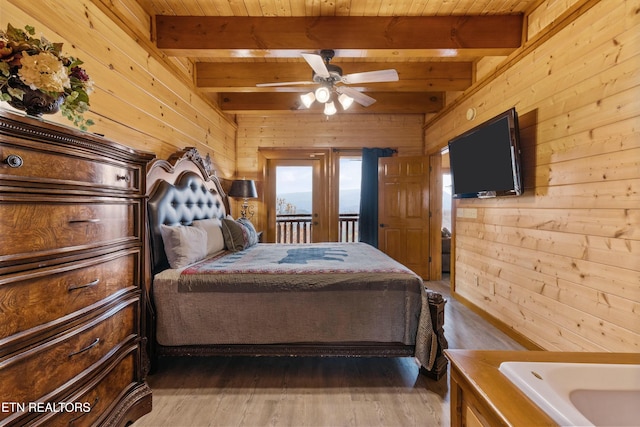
387, 102
288, 36
414, 76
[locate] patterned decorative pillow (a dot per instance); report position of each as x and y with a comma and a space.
237, 235
183, 244
253, 234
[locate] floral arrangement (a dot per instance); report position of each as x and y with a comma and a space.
29, 64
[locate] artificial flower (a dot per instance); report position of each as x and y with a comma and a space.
36, 63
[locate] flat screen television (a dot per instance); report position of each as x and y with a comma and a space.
485, 161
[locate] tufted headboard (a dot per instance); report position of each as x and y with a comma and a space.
180, 190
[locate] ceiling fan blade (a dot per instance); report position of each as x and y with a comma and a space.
380, 76
284, 84
359, 97
316, 62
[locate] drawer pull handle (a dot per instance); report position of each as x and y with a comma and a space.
86, 285
124, 178
87, 348
78, 221
14, 161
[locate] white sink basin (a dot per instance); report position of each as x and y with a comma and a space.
580, 394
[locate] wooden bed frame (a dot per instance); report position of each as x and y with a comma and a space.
189, 161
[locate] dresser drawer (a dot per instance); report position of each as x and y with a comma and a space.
48, 294
98, 398
34, 373
56, 227
40, 166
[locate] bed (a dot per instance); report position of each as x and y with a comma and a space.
242, 297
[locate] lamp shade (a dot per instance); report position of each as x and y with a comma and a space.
307, 99
323, 94
244, 188
345, 101
330, 108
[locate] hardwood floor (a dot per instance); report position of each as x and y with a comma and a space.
282, 391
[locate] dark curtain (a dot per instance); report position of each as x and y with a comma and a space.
368, 219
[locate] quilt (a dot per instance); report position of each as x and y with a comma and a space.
311, 267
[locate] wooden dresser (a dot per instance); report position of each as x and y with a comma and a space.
72, 210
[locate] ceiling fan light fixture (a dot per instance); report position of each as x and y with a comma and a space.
345, 100
330, 109
323, 94
327, 75
307, 99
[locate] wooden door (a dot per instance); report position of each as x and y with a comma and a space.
403, 211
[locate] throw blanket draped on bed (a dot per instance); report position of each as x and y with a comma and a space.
332, 271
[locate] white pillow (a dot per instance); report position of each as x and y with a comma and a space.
183, 245
213, 228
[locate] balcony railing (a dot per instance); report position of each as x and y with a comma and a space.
348, 227
294, 228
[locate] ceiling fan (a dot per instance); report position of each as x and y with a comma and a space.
330, 79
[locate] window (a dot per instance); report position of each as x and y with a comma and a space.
349, 197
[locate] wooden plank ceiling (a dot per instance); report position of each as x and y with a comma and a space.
432, 44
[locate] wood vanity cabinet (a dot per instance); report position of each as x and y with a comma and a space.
482, 396
471, 411
72, 226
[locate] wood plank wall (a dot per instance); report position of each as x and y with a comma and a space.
304, 131
138, 99
561, 264
563, 259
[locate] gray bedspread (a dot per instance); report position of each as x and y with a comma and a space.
275, 293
